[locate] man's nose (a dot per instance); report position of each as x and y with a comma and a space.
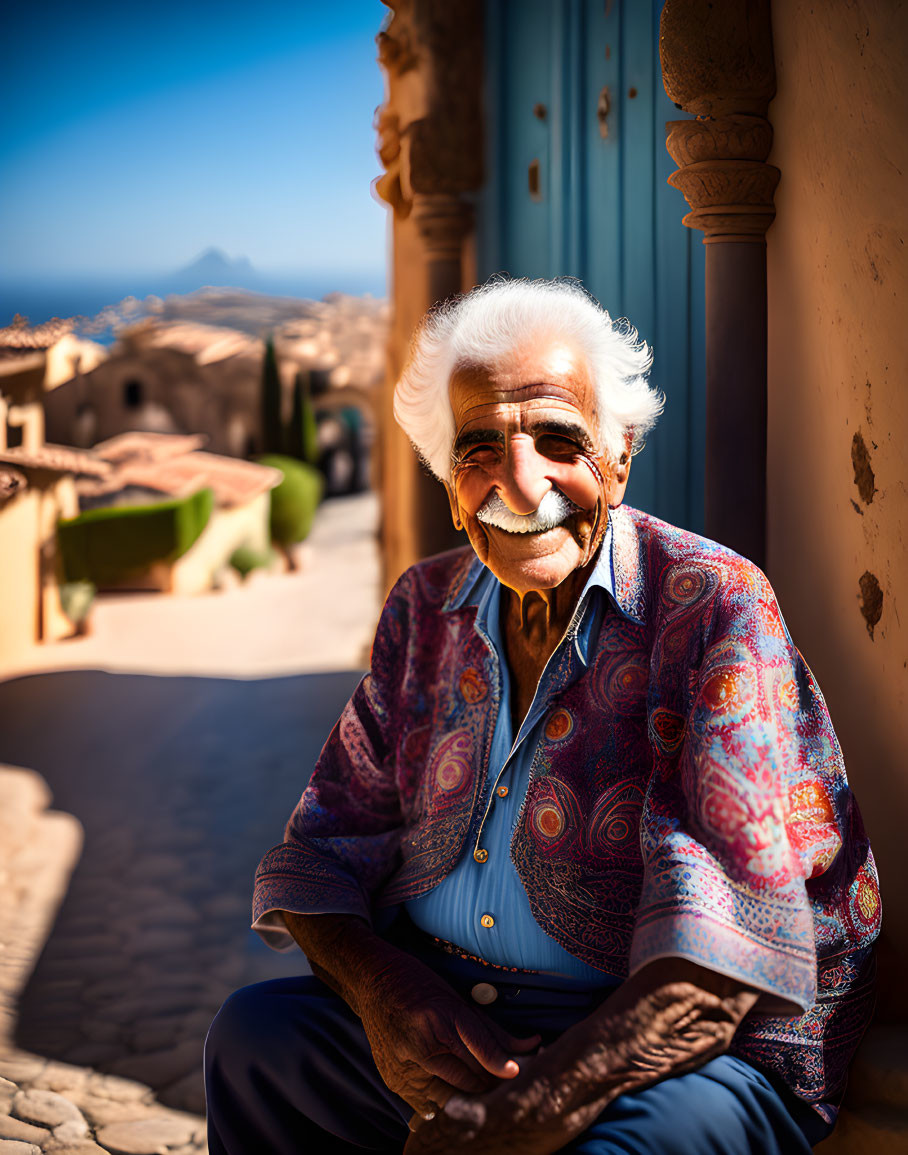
523, 483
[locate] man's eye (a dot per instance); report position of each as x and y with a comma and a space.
482, 454
559, 448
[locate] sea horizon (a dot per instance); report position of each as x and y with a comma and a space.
40, 298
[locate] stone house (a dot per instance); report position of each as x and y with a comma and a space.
183, 375
176, 378
42, 484
144, 468
37, 488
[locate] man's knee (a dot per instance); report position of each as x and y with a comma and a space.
253, 1021
726, 1107
288, 1055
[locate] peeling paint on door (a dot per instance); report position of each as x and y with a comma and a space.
871, 600
863, 473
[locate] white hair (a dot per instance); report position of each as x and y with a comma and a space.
502, 316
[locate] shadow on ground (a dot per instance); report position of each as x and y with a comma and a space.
181, 785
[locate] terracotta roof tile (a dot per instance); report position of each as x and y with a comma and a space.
148, 446
20, 337
172, 464
56, 459
234, 481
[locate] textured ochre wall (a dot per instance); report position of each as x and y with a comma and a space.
838, 398
19, 584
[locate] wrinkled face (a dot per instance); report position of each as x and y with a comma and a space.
526, 439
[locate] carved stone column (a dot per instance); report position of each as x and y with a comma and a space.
430, 142
717, 64
443, 220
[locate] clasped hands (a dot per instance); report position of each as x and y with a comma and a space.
475, 1087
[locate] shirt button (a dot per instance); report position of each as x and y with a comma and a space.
484, 993
487, 921
502, 791
481, 855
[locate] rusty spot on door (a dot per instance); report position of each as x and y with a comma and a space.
534, 181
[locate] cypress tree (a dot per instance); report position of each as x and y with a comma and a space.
272, 426
302, 433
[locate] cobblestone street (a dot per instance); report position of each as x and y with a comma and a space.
179, 785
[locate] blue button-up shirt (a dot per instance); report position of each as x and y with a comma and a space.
482, 907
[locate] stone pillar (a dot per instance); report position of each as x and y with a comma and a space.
444, 221
430, 142
717, 64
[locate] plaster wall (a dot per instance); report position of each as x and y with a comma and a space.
58, 500
838, 402
19, 549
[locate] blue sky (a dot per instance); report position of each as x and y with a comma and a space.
132, 137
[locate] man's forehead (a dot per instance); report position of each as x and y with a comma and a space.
555, 377
526, 411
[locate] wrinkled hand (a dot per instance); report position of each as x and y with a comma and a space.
530, 1114
429, 1043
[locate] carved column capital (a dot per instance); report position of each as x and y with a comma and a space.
429, 129
717, 63
723, 176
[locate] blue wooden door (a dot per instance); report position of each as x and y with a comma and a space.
576, 186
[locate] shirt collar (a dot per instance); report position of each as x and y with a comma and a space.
478, 582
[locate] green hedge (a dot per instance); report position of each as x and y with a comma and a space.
109, 545
295, 500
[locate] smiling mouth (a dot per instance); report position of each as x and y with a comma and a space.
552, 512
527, 532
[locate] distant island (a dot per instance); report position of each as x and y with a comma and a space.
215, 268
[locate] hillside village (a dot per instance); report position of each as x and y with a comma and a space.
165, 423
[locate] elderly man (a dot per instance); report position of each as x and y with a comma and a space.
578, 868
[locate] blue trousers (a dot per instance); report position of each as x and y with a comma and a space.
289, 1071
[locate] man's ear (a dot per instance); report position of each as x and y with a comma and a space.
618, 473
455, 507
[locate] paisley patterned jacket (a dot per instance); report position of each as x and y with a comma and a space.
687, 796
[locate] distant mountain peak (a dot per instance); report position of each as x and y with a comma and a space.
215, 262
214, 267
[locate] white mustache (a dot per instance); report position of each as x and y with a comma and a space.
554, 509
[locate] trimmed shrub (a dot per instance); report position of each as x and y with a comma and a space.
76, 599
295, 500
245, 559
109, 545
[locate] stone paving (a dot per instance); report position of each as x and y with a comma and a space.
44, 1105
124, 912
180, 785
